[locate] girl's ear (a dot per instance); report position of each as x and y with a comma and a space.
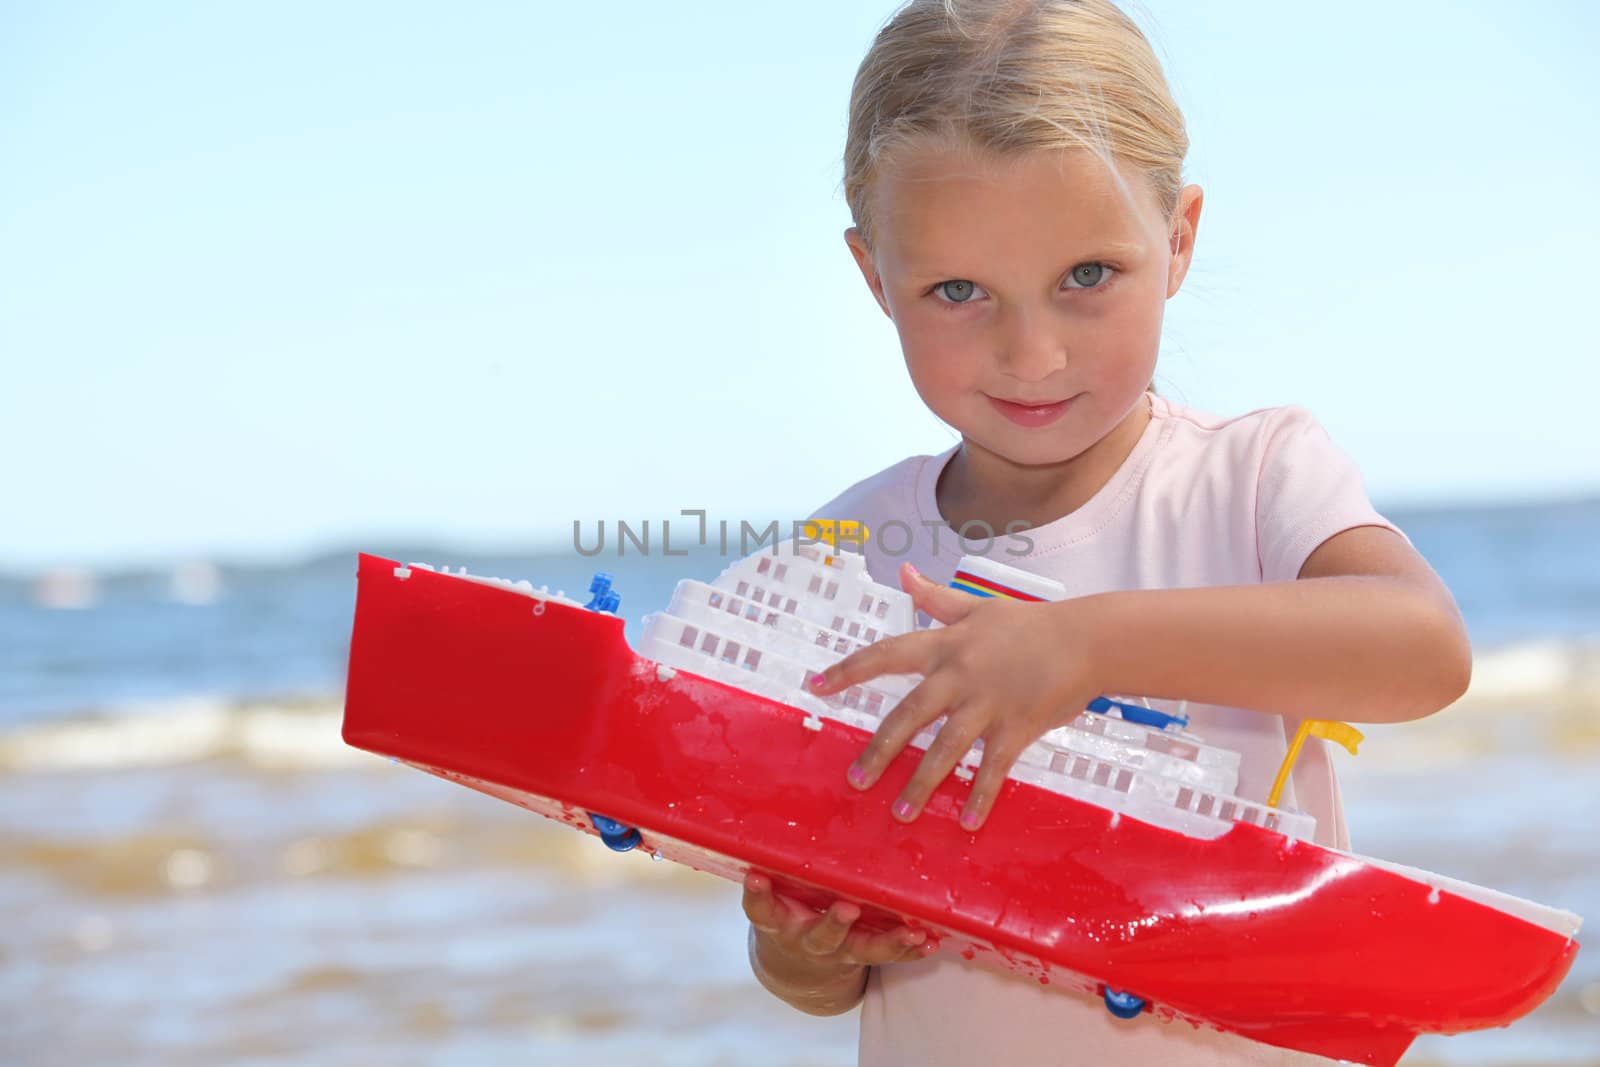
869, 270
1185, 224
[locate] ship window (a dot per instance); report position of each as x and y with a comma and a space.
871, 634
1124, 780
883, 608
1058, 761
842, 645
815, 584
822, 639
1176, 749
1204, 807
764, 565
832, 590
730, 652
1102, 773
866, 604
687, 638
771, 619
752, 612
782, 572
1185, 798
1272, 820
715, 600
1080, 767
852, 696
743, 588
838, 623
735, 606
752, 659
855, 628
1228, 809
874, 702
709, 644
1250, 815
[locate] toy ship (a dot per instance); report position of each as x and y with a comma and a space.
1117, 861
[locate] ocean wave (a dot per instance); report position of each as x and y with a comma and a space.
1540, 671
275, 734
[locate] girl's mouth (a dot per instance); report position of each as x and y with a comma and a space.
1030, 415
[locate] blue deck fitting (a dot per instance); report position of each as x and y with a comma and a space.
1141, 715
618, 838
1123, 1005
602, 597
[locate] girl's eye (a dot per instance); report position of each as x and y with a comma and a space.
959, 291
1089, 275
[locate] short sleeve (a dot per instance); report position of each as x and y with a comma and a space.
1308, 490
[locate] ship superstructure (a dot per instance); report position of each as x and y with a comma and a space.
772, 620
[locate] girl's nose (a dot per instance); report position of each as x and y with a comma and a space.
1032, 348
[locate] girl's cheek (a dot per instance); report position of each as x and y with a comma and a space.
944, 366
925, 333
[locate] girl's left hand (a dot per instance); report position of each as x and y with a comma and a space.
1002, 670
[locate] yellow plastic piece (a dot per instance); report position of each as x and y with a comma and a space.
832, 531
1341, 732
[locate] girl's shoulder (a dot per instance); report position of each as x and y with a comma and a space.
892, 488
1264, 420
1254, 439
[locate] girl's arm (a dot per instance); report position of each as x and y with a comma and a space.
1369, 634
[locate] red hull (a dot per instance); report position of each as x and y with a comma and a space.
1284, 942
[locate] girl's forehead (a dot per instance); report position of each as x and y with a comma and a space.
1075, 177
931, 199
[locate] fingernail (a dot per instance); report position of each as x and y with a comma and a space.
969, 820
918, 575
902, 809
817, 681
857, 776
915, 937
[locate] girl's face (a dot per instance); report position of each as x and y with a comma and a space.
1028, 293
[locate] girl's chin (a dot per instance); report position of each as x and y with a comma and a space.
1024, 448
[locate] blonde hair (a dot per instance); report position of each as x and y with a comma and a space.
1007, 78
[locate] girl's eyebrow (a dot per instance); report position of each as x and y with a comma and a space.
1112, 250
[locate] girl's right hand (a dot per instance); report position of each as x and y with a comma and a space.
823, 941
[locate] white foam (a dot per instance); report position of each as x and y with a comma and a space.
268, 734
1533, 672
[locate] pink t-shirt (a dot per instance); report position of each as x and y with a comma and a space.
1202, 500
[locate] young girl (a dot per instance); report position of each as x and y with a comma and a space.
1013, 168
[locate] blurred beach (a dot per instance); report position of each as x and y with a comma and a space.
198, 871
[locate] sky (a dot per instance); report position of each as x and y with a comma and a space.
280, 277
